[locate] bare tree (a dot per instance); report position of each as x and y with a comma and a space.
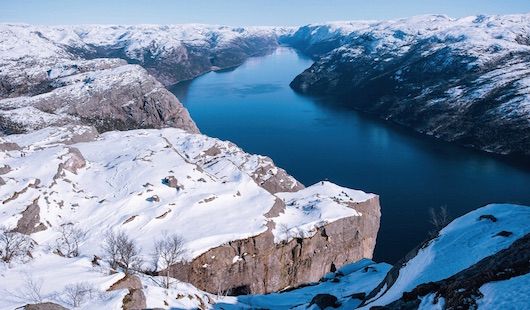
13, 245
121, 251
30, 291
168, 251
439, 218
77, 294
70, 237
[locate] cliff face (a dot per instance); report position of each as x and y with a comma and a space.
478, 261
247, 226
258, 265
106, 94
462, 80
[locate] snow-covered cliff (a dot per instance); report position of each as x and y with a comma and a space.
464, 80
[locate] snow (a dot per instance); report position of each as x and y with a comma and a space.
52, 274
431, 302
467, 239
314, 207
360, 277
220, 201
482, 37
207, 214
32, 118
511, 294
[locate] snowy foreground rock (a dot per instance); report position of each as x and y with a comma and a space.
465, 80
247, 225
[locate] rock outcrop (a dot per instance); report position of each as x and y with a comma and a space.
44, 306
258, 265
113, 96
247, 226
135, 299
468, 265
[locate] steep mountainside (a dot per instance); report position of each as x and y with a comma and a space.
108, 94
464, 80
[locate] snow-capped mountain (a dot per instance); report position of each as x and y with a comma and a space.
464, 80
108, 94
170, 53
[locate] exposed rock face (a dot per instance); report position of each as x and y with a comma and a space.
112, 97
30, 221
324, 301
463, 80
135, 299
258, 265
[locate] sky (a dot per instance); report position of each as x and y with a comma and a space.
240, 12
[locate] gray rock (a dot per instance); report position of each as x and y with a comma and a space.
278, 266
171, 181
135, 299
44, 306
30, 223
75, 161
324, 301
5, 169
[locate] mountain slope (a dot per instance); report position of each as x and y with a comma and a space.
170, 53
480, 260
463, 80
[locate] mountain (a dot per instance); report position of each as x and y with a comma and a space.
122, 64
463, 80
169, 53
108, 94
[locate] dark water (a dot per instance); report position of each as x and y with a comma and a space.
254, 107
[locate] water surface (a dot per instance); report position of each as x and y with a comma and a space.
254, 107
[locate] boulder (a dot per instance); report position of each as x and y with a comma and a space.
44, 306
324, 301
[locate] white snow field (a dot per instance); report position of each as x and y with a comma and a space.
461, 244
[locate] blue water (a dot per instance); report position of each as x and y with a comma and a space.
254, 107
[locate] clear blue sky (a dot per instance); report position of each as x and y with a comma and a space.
240, 12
